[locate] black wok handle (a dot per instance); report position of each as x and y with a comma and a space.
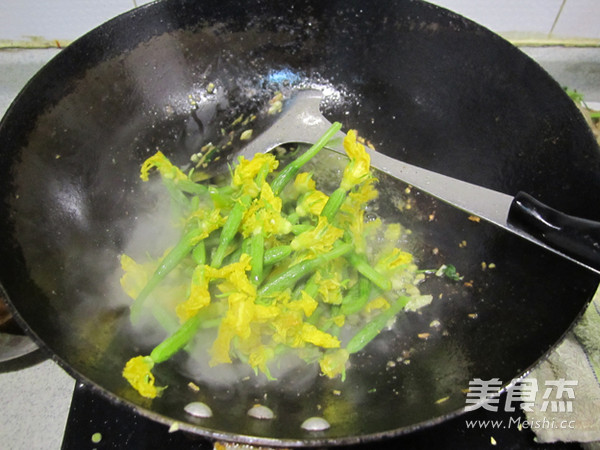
575, 237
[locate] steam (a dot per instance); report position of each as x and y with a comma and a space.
287, 369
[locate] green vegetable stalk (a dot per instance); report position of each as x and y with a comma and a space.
290, 171
199, 253
291, 276
361, 264
230, 229
177, 340
336, 199
168, 263
274, 255
257, 254
374, 327
357, 297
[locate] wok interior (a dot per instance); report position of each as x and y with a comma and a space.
420, 83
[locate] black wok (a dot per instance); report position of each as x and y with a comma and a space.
423, 84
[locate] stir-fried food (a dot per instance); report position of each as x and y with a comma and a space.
273, 264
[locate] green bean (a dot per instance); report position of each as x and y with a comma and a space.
191, 187
359, 262
357, 297
333, 312
194, 203
168, 263
276, 254
374, 327
267, 269
235, 255
177, 340
221, 196
301, 228
334, 203
301, 287
230, 229
246, 245
316, 315
177, 196
293, 218
257, 253
292, 275
290, 171
312, 287
261, 176
199, 253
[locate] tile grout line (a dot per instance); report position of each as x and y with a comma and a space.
560, 10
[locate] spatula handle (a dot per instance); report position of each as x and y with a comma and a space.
576, 237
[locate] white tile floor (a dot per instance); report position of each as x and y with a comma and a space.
534, 16
22, 21
579, 18
540, 18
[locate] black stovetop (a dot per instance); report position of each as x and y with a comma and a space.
94, 422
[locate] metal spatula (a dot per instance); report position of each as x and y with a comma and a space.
573, 238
